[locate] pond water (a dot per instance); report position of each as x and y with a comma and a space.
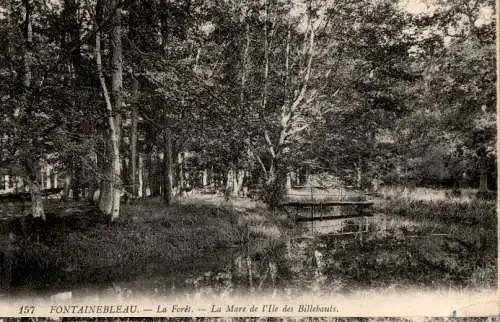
300, 263
327, 258
296, 268
320, 258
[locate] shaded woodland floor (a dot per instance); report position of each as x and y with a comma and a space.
211, 247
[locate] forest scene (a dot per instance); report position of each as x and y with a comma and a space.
243, 147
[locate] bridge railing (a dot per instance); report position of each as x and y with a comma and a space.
318, 193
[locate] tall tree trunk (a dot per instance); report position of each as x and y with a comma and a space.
140, 174
244, 64
67, 186
204, 178
359, 173
266, 58
239, 181
42, 181
116, 90
133, 139
76, 182
37, 210
234, 182
151, 175
155, 191
28, 38
237, 176
289, 181
275, 185
6, 182
180, 162
167, 163
32, 166
111, 206
483, 180
229, 179
146, 185
105, 204
92, 190
72, 45
290, 110
211, 177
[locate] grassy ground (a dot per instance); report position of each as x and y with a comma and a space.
79, 248
213, 246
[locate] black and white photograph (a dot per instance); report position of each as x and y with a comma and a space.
202, 151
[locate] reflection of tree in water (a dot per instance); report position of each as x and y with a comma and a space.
296, 267
306, 268
252, 271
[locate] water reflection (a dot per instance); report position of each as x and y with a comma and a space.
311, 259
296, 266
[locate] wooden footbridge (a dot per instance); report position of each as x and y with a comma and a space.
331, 207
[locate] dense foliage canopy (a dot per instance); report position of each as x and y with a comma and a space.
148, 94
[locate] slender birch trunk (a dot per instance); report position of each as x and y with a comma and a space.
180, 162
140, 174
167, 163
133, 139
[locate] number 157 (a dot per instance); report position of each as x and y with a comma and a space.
27, 309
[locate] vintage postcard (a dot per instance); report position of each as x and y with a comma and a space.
294, 159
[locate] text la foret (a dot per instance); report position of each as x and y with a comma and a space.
174, 309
